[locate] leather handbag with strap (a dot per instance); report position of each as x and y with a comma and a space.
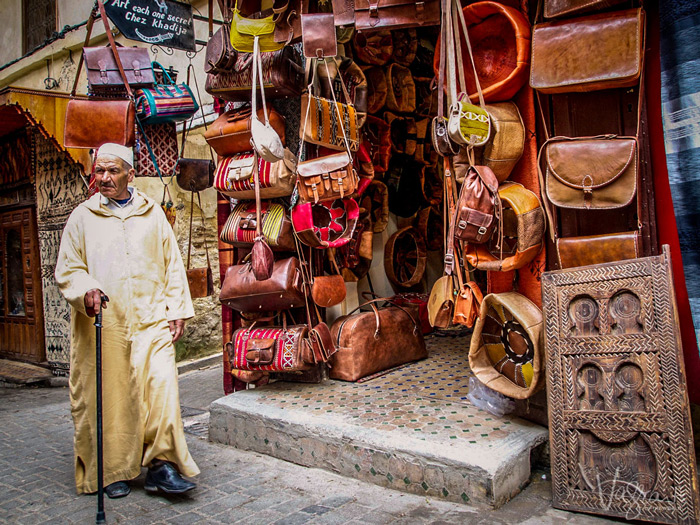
282, 76
195, 174
318, 34
345, 69
93, 122
165, 102
326, 178
230, 133
200, 280
220, 55
325, 121
234, 176
371, 15
506, 143
240, 227
103, 73
476, 217
260, 25
371, 342
441, 302
589, 53
241, 291
325, 224
567, 8
287, 21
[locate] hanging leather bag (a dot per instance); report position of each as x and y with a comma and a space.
245, 30
240, 227
195, 174
234, 176
241, 291
166, 101
326, 178
441, 302
475, 217
325, 224
372, 15
589, 53
506, 143
92, 122
567, 8
220, 55
200, 280
230, 133
271, 349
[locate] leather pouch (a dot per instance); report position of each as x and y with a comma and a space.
475, 218
103, 73
328, 290
318, 35
441, 302
200, 282
283, 290
590, 53
591, 172
566, 8
239, 228
234, 176
596, 249
91, 123
195, 174
467, 304
231, 132
326, 178
371, 15
260, 352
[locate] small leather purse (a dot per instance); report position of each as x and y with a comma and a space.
220, 55
195, 174
199, 280
328, 290
467, 304
441, 302
562, 61
234, 176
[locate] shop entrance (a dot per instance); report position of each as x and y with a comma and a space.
21, 312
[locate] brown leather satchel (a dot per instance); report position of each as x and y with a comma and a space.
93, 122
475, 217
195, 174
326, 178
322, 344
344, 12
441, 302
288, 21
200, 280
230, 132
318, 35
467, 304
241, 291
371, 342
567, 8
220, 55
371, 15
589, 53
596, 249
103, 73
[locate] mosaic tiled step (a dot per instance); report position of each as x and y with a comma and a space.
411, 430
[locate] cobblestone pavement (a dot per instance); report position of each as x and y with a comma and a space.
37, 486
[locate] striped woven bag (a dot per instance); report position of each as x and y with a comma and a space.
239, 228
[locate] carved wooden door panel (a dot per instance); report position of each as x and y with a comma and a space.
21, 307
620, 432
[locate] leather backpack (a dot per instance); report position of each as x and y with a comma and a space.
476, 215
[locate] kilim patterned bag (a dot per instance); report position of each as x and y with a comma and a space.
234, 176
239, 228
161, 139
166, 102
270, 349
326, 122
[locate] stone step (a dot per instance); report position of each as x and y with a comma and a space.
412, 430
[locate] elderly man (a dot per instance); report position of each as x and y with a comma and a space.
119, 243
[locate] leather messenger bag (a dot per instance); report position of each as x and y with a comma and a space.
371, 342
372, 15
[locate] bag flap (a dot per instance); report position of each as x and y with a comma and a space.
240, 167
362, 5
589, 164
252, 26
474, 217
328, 164
102, 58
260, 351
236, 115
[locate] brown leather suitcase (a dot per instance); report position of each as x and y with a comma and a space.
370, 342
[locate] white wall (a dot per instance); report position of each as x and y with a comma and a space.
11, 33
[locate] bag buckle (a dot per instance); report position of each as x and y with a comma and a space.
420, 8
482, 230
462, 224
373, 11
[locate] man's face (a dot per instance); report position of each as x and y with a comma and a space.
112, 177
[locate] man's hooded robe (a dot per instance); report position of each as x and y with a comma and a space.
134, 259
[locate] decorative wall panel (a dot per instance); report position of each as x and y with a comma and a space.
620, 432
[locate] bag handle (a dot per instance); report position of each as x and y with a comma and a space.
460, 15
166, 75
373, 304
443, 58
189, 244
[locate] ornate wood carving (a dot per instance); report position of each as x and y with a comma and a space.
620, 432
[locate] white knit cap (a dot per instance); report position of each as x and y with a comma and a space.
117, 150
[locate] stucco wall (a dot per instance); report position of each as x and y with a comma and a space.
11, 34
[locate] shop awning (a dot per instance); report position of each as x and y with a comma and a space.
20, 107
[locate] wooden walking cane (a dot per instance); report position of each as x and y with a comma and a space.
100, 518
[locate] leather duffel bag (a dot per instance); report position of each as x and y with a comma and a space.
371, 342
241, 291
271, 349
231, 132
234, 176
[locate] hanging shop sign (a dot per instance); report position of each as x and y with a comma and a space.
159, 22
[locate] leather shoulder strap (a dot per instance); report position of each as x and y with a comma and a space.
113, 45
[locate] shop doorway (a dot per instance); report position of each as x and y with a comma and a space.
21, 311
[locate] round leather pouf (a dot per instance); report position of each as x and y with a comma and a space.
375, 201
373, 48
507, 346
326, 224
405, 257
429, 224
500, 38
523, 233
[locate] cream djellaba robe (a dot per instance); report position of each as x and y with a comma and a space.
135, 260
